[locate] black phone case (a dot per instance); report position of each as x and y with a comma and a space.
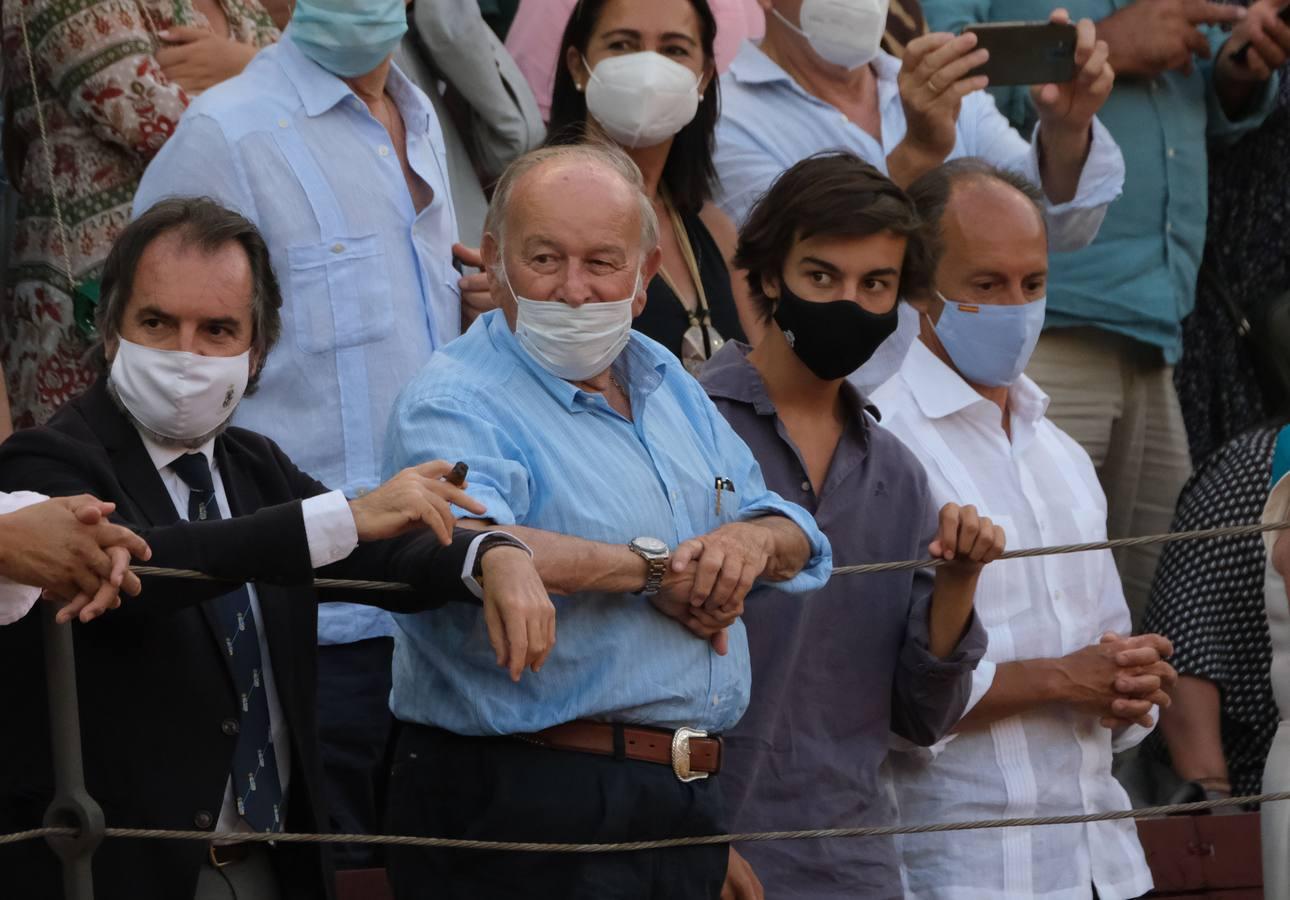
1026, 53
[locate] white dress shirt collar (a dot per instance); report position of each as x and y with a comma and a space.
320, 90
940, 391
162, 455
752, 66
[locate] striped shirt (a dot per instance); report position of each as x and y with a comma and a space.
546, 455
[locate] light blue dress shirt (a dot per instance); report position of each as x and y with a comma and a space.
368, 285
769, 122
545, 454
1139, 277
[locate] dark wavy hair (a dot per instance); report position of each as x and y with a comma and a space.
689, 173
835, 194
198, 222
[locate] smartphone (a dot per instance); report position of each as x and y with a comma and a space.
1026, 52
1244, 50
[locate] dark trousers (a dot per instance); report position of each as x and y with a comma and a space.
355, 727
502, 789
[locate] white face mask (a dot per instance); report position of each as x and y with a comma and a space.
177, 395
641, 99
890, 355
573, 344
847, 33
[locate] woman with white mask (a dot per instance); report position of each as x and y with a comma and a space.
643, 76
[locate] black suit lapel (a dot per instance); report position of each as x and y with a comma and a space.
140, 479
130, 460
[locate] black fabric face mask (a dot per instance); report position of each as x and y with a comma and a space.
832, 339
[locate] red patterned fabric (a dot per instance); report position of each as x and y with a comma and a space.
108, 109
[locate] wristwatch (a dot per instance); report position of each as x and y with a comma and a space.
656, 554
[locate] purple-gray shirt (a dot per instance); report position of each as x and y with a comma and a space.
836, 671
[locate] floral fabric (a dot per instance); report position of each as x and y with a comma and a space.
108, 108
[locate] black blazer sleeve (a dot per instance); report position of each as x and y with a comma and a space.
267, 543
417, 559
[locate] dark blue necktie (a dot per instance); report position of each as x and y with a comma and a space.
256, 786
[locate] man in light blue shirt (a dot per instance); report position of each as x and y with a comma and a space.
1115, 309
782, 101
339, 160
592, 443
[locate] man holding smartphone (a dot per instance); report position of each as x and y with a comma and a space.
1113, 332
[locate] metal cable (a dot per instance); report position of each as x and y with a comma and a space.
866, 569
667, 843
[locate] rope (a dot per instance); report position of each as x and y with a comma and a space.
633, 846
49, 152
867, 569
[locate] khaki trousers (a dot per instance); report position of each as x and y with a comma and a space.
1116, 398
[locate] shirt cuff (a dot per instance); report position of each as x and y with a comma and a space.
329, 528
472, 553
16, 600
1128, 737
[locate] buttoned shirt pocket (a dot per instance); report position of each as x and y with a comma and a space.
339, 293
1001, 590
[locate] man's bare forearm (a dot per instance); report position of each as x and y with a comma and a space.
1062, 154
570, 565
1018, 687
792, 551
1193, 731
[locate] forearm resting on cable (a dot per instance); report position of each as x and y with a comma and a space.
790, 552
571, 565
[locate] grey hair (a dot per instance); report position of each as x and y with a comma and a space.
931, 195
597, 153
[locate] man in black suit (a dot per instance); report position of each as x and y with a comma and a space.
197, 698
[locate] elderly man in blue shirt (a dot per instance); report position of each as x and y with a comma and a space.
650, 520
339, 160
1115, 309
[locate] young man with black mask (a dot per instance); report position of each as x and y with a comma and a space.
829, 251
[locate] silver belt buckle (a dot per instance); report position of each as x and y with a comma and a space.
681, 754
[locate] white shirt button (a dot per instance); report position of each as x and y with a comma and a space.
383, 150
337, 248
283, 123
806, 485
1169, 227
1171, 152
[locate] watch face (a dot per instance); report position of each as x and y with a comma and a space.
652, 546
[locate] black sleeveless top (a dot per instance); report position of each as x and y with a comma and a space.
665, 318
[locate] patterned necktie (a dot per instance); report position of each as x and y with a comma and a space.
256, 787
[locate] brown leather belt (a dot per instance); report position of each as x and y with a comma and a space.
691, 754
222, 855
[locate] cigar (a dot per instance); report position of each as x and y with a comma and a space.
457, 477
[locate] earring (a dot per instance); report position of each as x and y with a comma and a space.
578, 87
700, 98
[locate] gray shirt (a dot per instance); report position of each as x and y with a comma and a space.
836, 672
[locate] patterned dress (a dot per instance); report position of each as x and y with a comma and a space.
1208, 599
1248, 250
108, 108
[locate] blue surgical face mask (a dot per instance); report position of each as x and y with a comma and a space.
990, 345
348, 37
